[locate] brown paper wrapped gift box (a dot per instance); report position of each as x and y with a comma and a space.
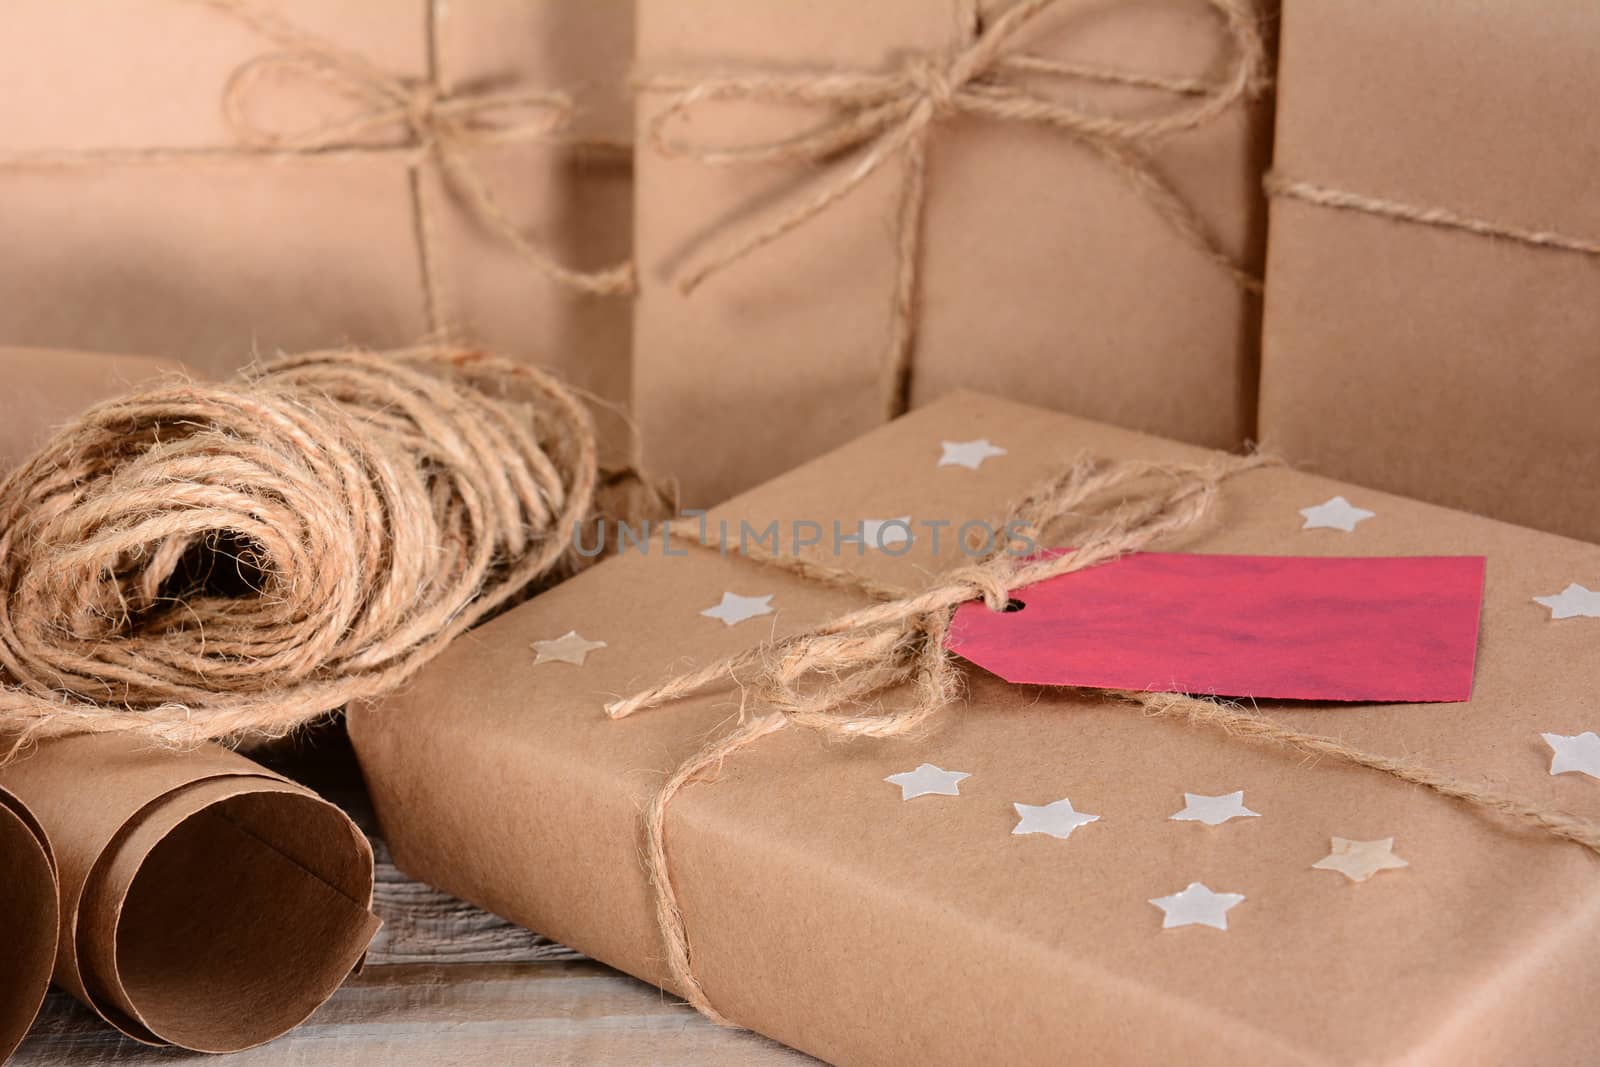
826, 913
1451, 365
1037, 268
152, 226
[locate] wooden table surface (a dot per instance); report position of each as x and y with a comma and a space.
444, 984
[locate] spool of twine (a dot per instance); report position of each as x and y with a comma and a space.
198, 561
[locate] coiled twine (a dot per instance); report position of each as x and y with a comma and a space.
199, 561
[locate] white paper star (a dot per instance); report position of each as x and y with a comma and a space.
1056, 819
735, 609
570, 647
1360, 860
1213, 811
1572, 602
881, 533
1196, 906
1336, 514
1580, 752
969, 454
928, 780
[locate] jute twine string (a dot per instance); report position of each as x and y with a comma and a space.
1279, 185
886, 116
832, 678
197, 561
423, 120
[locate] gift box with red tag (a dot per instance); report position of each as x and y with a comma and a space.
1397, 867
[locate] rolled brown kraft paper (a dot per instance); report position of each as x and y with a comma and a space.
206, 902
824, 911
28, 918
44, 387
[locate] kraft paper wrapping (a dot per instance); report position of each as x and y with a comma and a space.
205, 901
44, 388
219, 258
826, 913
28, 917
1454, 367
1035, 253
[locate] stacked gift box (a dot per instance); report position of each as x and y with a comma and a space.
859, 287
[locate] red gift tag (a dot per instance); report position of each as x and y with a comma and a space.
1383, 630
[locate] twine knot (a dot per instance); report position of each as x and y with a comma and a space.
984, 583
931, 79
421, 112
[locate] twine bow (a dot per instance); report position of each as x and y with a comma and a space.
883, 670
416, 114
884, 116
422, 119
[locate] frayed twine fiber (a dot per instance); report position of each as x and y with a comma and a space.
196, 561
